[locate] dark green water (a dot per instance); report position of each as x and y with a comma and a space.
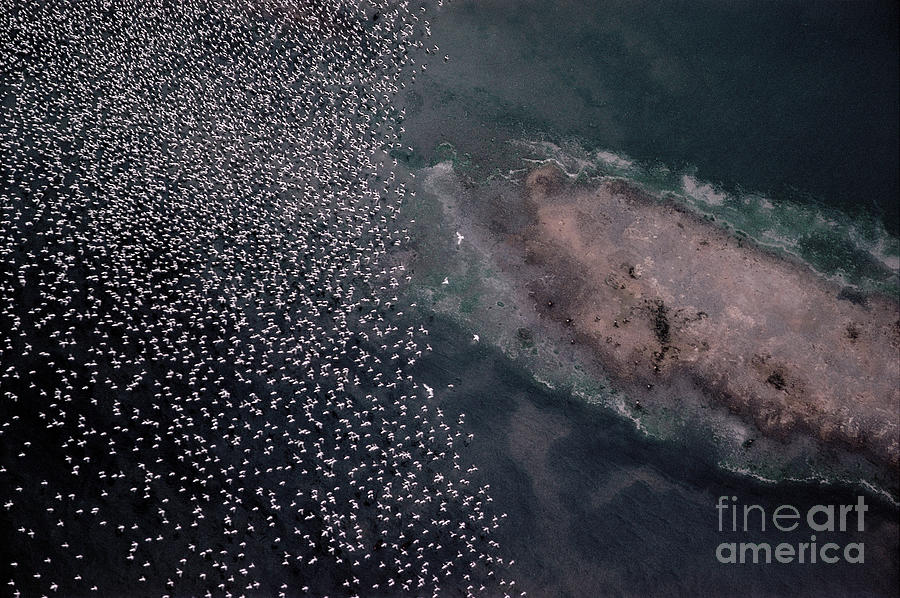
793, 100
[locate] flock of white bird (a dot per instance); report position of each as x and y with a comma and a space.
204, 385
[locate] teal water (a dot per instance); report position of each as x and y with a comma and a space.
793, 100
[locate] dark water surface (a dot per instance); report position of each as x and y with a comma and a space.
595, 509
790, 99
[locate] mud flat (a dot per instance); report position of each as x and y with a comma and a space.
668, 304
662, 296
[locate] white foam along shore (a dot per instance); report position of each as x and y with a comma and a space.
777, 225
439, 182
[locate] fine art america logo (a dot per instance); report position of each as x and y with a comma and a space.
819, 519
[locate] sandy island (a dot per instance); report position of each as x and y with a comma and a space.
664, 298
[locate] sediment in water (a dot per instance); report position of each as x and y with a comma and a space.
661, 295
667, 304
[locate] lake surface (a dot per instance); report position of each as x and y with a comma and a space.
214, 378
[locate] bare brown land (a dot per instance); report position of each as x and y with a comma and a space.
662, 296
